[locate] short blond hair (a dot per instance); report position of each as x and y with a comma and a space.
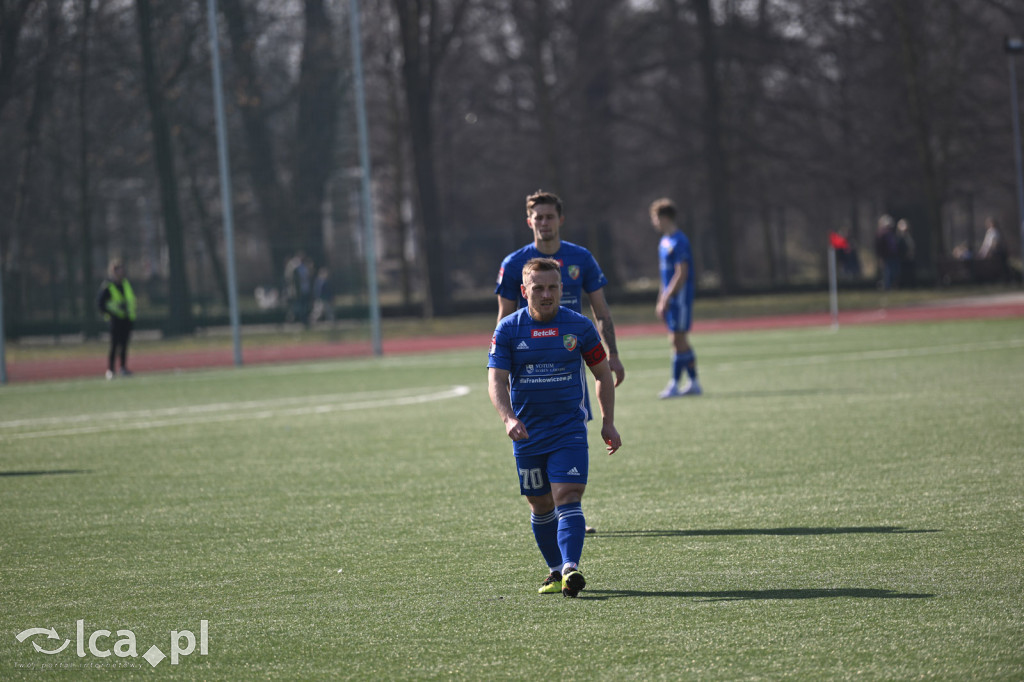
540, 265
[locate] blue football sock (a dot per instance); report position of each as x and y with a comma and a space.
680, 362
684, 361
572, 528
691, 365
545, 531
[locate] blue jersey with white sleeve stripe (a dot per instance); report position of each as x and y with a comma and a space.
673, 249
580, 273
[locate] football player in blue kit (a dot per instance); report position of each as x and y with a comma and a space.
536, 383
675, 298
580, 272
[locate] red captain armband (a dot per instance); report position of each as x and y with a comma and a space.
595, 355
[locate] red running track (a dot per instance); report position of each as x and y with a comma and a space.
145, 362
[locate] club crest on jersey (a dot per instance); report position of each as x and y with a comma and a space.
574, 271
569, 341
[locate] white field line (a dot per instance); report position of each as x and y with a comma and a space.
225, 412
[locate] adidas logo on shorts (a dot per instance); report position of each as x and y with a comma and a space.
573, 472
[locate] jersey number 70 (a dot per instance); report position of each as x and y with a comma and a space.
533, 479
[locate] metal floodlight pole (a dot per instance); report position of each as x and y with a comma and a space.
1014, 47
225, 180
369, 241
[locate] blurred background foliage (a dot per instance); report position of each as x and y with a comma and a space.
770, 122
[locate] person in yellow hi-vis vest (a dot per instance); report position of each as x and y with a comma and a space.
116, 302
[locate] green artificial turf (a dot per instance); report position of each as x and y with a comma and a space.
838, 505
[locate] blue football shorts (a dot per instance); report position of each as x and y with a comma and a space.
679, 314
565, 465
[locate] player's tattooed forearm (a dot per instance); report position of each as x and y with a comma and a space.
607, 329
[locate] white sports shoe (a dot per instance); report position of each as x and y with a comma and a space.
674, 391
691, 388
671, 391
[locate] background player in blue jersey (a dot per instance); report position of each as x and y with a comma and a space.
580, 272
536, 383
675, 298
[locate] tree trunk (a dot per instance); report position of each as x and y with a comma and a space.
18, 277
66, 246
594, 144
90, 322
714, 148
206, 228
418, 79
438, 300
180, 315
315, 133
767, 234
11, 21
269, 192
424, 45
399, 191
534, 22
931, 242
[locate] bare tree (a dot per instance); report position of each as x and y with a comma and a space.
533, 22
269, 190
38, 109
714, 148
12, 19
318, 90
426, 36
594, 143
180, 314
90, 323
770, 122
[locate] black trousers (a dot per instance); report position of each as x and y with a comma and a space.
120, 333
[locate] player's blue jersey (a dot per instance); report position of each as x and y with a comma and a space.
673, 249
580, 273
545, 361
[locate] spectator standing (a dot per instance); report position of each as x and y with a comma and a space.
323, 295
302, 280
994, 252
116, 302
288, 286
906, 252
886, 254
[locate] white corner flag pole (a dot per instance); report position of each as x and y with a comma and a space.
833, 288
